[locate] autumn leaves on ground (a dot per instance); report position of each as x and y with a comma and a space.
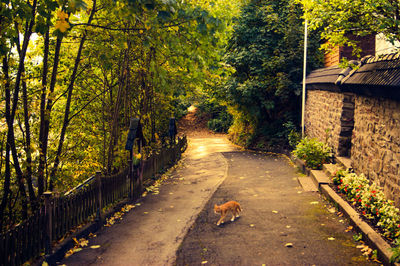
174, 224
193, 124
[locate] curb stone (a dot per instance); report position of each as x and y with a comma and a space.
372, 238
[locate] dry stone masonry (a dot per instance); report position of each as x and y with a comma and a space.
357, 112
376, 143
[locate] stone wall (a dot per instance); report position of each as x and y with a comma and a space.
329, 117
376, 143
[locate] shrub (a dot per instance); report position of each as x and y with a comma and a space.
313, 152
219, 118
294, 138
221, 123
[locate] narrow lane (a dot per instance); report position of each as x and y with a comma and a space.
151, 233
280, 223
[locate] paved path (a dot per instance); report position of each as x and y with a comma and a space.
280, 223
151, 233
276, 211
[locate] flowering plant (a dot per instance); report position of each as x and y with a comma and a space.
370, 199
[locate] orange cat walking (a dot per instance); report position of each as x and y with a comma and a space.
231, 206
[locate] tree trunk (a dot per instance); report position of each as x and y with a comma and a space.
7, 173
69, 98
43, 118
45, 128
11, 116
114, 123
28, 152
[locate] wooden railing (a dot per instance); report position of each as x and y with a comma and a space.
58, 216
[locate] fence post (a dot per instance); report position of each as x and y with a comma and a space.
99, 197
130, 176
49, 222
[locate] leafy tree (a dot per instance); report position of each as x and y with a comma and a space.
74, 72
340, 19
266, 51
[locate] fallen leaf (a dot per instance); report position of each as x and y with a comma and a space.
275, 211
95, 246
314, 202
204, 262
251, 225
45, 263
348, 229
340, 214
331, 238
138, 204
288, 226
77, 249
146, 212
289, 245
341, 221
83, 242
332, 210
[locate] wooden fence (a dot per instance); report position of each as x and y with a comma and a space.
58, 216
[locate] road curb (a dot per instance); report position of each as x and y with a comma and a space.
371, 237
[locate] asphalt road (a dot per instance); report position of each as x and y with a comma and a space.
280, 223
177, 225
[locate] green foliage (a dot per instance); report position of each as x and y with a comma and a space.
396, 252
294, 138
266, 50
141, 58
219, 120
221, 123
341, 19
357, 237
313, 152
370, 199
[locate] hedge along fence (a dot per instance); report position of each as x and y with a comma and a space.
58, 216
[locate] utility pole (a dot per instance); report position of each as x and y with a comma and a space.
303, 105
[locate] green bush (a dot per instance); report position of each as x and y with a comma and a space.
294, 138
313, 152
219, 118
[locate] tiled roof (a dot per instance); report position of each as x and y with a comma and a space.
376, 76
376, 71
324, 75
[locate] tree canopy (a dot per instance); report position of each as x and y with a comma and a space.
266, 51
339, 19
73, 72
